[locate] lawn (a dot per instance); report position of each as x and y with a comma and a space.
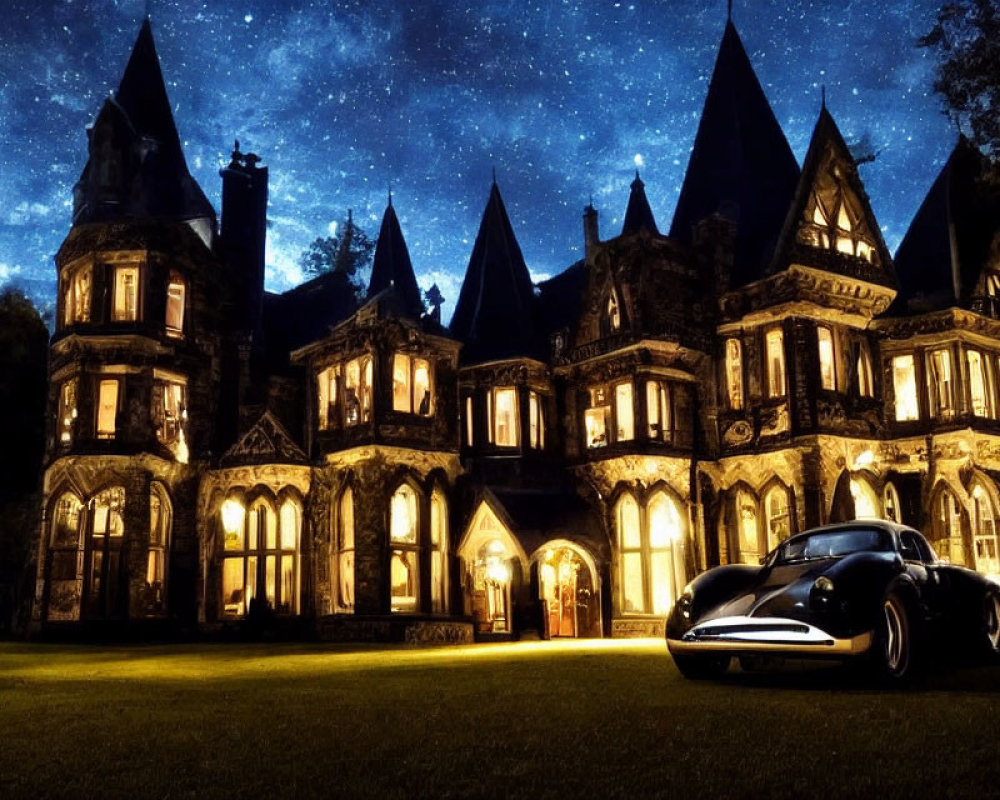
531, 719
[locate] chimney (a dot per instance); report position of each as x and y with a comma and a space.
244, 231
590, 232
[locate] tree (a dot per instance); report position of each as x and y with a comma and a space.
966, 38
348, 253
434, 300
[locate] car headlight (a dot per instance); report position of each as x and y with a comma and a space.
685, 601
823, 584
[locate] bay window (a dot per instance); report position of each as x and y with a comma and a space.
503, 417
411, 385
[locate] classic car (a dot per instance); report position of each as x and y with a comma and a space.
869, 590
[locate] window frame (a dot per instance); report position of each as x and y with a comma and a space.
776, 372
907, 384
513, 440
99, 407
121, 314
174, 323
734, 378
407, 550
828, 372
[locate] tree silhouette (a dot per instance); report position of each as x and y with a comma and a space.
348, 253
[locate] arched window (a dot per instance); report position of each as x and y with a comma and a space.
779, 522
439, 552
345, 552
156, 557
890, 502
948, 527
633, 591
404, 525
747, 528
103, 586
65, 558
865, 501
285, 556
666, 532
986, 545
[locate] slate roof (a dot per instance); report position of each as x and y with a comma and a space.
391, 267
933, 270
155, 177
496, 313
638, 214
741, 166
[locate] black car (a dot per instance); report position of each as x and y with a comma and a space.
867, 589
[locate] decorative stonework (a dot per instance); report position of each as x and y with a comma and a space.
738, 434
267, 442
638, 628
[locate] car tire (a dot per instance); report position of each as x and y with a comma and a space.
991, 625
895, 650
701, 667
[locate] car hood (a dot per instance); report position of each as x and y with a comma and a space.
780, 591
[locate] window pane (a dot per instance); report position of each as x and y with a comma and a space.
347, 520
422, 387
595, 420
632, 588
664, 522
346, 580
977, 383
126, 302
624, 413
734, 373
827, 373
233, 586
941, 368
67, 410
746, 510
628, 523
107, 409
271, 563
403, 515
437, 586
289, 596
468, 422
66, 521
175, 306
662, 581
775, 364
653, 409
905, 385
403, 578
534, 420
233, 519
289, 525
778, 521
505, 428
866, 387
401, 383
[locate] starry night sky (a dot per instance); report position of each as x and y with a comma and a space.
343, 99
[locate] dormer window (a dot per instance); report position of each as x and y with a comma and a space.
614, 313
833, 218
76, 295
175, 307
125, 302
411, 385
358, 391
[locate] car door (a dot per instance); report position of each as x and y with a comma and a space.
925, 569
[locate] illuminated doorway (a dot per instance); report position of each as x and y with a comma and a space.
491, 588
570, 606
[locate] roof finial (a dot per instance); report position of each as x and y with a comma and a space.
149, 4
494, 174
822, 96
729, 15
390, 194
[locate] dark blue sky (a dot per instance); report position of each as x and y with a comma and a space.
342, 99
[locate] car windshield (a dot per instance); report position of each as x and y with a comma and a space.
833, 544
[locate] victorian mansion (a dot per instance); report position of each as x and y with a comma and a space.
561, 459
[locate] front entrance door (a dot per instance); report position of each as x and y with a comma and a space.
564, 586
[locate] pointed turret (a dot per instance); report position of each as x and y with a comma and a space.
830, 223
136, 168
495, 313
392, 268
741, 166
940, 261
639, 215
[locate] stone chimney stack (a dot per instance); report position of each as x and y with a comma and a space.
591, 235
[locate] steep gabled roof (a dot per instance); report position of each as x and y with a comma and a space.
638, 215
149, 177
392, 267
942, 255
495, 315
741, 166
830, 214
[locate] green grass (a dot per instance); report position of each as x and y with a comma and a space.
533, 719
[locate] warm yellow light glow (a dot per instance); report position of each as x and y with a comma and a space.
232, 516
905, 385
827, 365
865, 502
864, 459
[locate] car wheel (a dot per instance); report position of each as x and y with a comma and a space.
894, 650
701, 667
991, 624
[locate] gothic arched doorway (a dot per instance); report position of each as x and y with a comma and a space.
568, 592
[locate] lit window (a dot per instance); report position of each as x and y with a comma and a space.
107, 408
904, 383
865, 501
749, 533
102, 574
832, 218
633, 592
980, 395
411, 385
614, 313
778, 516
536, 422
504, 425
624, 412
358, 391
948, 527
439, 553
125, 305
65, 559
469, 422
890, 501
260, 557
170, 416
734, 373
985, 544
596, 417
658, 411
328, 397
345, 552
175, 307
404, 562
665, 563
775, 348
67, 410
942, 380
156, 566
76, 295
866, 382
827, 364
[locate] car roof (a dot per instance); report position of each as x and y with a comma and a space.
856, 524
